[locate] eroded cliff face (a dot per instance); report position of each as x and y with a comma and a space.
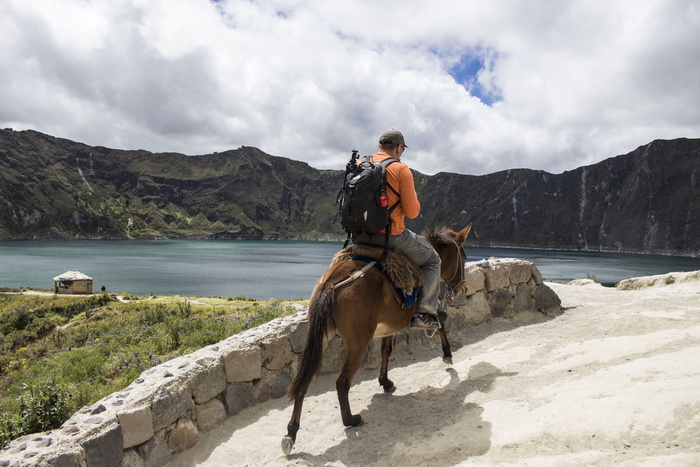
647, 200
644, 201
56, 188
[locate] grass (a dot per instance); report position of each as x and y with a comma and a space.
58, 353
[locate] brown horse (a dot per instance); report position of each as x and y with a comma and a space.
360, 310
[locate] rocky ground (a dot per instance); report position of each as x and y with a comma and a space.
613, 380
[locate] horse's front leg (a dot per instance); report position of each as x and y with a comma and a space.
446, 352
387, 347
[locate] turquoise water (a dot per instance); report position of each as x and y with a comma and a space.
260, 269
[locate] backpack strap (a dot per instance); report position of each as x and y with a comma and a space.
387, 231
385, 163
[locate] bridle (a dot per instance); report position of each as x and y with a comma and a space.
459, 269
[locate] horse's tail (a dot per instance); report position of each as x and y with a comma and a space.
320, 323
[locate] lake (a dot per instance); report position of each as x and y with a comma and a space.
262, 269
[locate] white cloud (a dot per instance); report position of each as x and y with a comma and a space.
571, 83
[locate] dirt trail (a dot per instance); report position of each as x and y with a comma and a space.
615, 380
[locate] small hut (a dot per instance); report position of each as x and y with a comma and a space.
72, 282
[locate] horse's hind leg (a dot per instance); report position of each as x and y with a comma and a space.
353, 361
293, 426
384, 381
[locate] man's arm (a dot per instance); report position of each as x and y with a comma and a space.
409, 197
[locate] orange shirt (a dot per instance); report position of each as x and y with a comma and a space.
399, 176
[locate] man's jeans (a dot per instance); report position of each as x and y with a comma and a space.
418, 250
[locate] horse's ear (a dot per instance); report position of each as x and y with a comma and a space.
462, 236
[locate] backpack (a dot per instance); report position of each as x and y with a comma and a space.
363, 202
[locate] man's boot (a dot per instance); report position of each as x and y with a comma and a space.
425, 321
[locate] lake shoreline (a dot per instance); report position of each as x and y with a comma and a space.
341, 239
263, 269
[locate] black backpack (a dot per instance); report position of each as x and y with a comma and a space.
363, 202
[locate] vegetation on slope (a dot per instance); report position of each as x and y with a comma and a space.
56, 188
60, 353
646, 201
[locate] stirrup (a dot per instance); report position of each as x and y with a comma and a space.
424, 322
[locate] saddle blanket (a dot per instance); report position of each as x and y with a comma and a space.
402, 273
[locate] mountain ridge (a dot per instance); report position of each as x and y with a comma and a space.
645, 201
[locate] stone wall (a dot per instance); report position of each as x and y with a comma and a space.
164, 411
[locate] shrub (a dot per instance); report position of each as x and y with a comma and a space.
19, 319
242, 298
152, 316
174, 327
45, 407
10, 428
184, 309
42, 407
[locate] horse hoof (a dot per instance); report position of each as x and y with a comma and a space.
355, 420
447, 360
287, 445
391, 389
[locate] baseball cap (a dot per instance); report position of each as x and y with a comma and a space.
392, 137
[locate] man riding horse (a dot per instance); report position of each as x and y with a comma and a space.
359, 302
415, 247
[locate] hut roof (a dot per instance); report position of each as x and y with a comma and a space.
72, 276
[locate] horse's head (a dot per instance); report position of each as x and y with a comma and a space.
449, 245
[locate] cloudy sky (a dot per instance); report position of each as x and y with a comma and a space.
475, 86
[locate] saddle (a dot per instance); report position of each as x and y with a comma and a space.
404, 276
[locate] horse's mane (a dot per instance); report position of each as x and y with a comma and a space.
439, 235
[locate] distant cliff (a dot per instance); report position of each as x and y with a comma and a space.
644, 201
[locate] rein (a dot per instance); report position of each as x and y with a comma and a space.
459, 269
